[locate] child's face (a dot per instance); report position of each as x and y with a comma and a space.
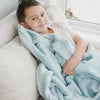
36, 19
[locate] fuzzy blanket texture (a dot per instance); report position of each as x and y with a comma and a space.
53, 51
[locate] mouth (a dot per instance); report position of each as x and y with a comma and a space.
42, 25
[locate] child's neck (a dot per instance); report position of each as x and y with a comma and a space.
48, 31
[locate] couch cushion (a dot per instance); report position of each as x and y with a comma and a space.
17, 73
55, 13
8, 28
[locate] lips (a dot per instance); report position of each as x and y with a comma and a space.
42, 25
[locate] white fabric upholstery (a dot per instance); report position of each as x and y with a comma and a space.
17, 73
8, 28
55, 14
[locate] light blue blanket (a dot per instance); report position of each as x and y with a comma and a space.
53, 51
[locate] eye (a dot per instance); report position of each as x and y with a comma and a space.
34, 18
42, 15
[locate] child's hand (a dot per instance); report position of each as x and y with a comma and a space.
69, 67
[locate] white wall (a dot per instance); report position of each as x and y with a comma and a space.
87, 10
7, 6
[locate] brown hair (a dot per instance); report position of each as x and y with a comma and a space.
22, 5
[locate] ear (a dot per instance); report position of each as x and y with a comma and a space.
23, 24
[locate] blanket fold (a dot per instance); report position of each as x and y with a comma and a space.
53, 51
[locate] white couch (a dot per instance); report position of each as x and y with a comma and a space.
17, 65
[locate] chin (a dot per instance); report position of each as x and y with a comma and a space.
43, 30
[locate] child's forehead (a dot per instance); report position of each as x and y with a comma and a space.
34, 10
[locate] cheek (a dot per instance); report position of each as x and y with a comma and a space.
34, 27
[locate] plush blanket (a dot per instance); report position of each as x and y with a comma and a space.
53, 51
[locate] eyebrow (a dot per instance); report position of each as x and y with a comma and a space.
36, 15
32, 16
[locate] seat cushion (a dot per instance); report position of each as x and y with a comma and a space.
17, 73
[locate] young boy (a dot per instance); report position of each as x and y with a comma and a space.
31, 15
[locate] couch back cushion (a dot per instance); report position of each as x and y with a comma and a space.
8, 28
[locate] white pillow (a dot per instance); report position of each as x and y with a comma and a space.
54, 10
17, 73
8, 28
55, 14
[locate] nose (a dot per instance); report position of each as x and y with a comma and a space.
40, 19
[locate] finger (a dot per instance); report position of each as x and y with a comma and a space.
71, 73
64, 72
68, 72
64, 69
